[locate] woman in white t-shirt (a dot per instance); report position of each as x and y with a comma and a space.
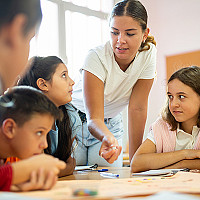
115, 75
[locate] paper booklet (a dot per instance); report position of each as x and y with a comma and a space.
159, 172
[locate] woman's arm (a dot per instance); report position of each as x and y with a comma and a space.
93, 90
146, 158
137, 113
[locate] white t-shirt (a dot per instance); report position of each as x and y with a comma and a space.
117, 84
183, 140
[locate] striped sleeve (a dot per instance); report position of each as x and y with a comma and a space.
5, 177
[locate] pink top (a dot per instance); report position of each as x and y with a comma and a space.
165, 138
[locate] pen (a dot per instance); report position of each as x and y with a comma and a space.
102, 170
109, 174
185, 170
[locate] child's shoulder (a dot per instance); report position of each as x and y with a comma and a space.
160, 122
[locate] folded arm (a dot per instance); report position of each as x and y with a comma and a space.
23, 168
146, 158
190, 164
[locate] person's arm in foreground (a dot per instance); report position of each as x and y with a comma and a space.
137, 113
37, 172
38, 181
93, 90
23, 168
146, 158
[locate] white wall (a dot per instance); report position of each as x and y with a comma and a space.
175, 25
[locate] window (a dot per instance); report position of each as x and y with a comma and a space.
46, 41
70, 28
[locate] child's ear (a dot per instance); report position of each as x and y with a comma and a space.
42, 85
9, 128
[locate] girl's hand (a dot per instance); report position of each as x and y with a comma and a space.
69, 169
110, 150
38, 180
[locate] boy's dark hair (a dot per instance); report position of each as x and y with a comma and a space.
45, 67
25, 101
40, 67
30, 8
190, 76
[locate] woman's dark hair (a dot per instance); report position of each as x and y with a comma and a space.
22, 102
190, 77
137, 11
9, 9
45, 67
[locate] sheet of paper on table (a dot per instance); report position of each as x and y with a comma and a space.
158, 172
15, 196
165, 195
183, 182
80, 168
91, 167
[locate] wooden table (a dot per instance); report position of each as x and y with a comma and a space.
124, 172
111, 189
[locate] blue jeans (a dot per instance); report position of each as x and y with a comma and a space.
87, 151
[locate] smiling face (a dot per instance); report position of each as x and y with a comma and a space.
184, 103
59, 88
30, 138
126, 38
